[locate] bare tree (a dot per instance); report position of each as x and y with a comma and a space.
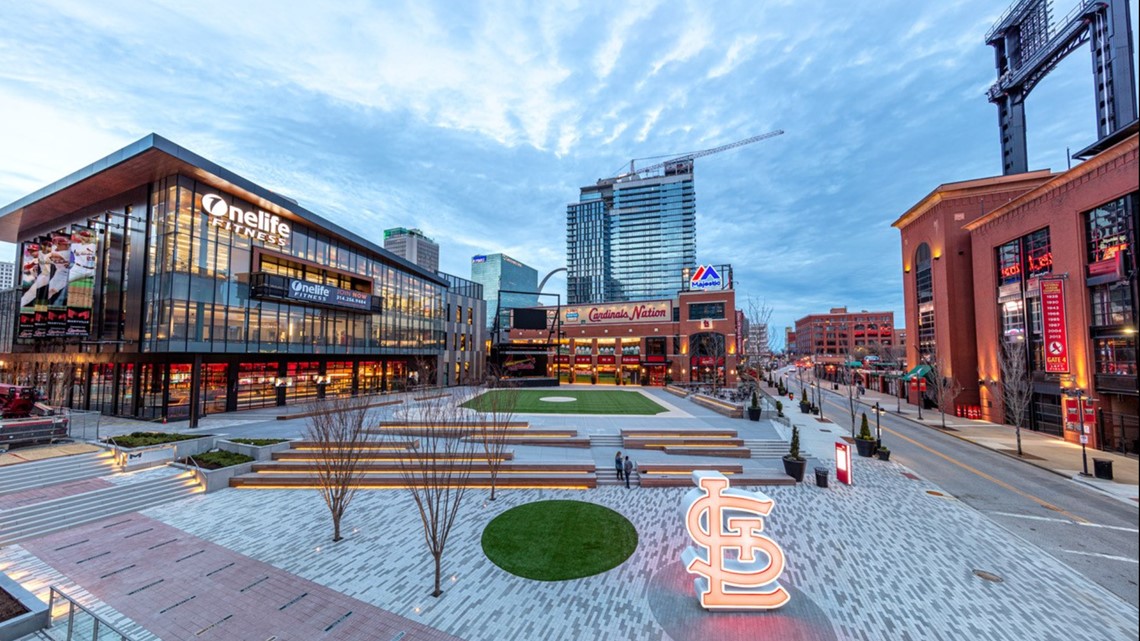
436, 473
493, 428
336, 427
1016, 386
946, 388
849, 379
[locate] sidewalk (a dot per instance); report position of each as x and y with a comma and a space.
1041, 450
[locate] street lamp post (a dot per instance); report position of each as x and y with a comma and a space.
1080, 393
878, 427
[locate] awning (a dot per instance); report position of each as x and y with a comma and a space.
918, 372
855, 364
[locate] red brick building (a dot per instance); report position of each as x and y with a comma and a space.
975, 255
938, 285
838, 334
693, 338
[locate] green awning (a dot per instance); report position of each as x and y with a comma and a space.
917, 372
855, 364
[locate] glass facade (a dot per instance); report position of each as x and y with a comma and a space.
498, 272
180, 328
629, 240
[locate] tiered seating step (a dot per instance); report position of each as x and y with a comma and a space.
681, 474
286, 417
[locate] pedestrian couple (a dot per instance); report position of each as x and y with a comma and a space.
623, 467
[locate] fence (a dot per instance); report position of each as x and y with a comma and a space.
82, 624
83, 425
1119, 432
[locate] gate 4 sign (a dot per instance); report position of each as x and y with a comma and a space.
720, 519
1054, 327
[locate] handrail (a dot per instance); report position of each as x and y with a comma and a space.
55, 589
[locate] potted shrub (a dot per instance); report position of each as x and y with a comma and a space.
884, 453
864, 443
794, 464
754, 409
779, 408
815, 409
805, 405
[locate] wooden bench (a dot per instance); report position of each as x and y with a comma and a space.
659, 443
293, 455
718, 406
677, 391
307, 481
679, 433
391, 467
743, 480
728, 452
368, 445
431, 397
727, 469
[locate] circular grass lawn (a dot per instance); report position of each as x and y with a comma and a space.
559, 540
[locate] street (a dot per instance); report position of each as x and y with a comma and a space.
1094, 534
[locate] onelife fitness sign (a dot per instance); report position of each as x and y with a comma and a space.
260, 225
325, 295
1054, 328
720, 520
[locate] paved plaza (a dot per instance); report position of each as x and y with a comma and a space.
887, 558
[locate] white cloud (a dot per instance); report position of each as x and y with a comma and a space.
740, 50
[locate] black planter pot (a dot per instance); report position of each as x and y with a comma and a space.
795, 469
865, 447
754, 413
883, 454
806, 409
815, 410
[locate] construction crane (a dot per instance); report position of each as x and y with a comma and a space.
685, 159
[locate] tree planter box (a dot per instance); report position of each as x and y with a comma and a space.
795, 469
754, 413
865, 448
214, 480
36, 617
256, 452
883, 454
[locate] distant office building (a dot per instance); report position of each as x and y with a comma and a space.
9, 308
7, 275
628, 239
413, 246
789, 341
499, 272
757, 344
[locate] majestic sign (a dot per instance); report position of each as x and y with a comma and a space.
660, 311
260, 225
1054, 328
478, 259
720, 520
705, 277
325, 295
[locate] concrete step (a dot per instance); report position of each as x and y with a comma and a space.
614, 441
58, 514
34, 474
607, 477
767, 449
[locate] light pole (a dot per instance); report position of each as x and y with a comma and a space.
878, 428
1080, 394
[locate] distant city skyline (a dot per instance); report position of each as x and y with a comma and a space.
479, 125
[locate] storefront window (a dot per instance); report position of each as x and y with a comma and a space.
1115, 356
1108, 228
1038, 253
1009, 263
1111, 304
711, 311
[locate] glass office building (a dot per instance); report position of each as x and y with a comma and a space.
172, 288
501, 273
628, 239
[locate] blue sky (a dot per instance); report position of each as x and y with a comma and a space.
478, 122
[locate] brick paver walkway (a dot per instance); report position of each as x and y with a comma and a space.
180, 586
58, 491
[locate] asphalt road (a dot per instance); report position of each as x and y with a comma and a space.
1092, 533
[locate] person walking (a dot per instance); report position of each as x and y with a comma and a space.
628, 469
618, 465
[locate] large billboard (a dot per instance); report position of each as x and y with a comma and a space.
57, 284
29, 287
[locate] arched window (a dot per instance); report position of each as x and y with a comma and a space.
924, 282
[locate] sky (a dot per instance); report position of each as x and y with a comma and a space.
479, 122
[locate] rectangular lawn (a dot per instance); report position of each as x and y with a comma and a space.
585, 402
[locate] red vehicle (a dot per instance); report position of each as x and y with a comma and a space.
26, 421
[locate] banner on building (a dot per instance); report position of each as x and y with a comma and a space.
59, 257
43, 278
1054, 328
29, 275
81, 280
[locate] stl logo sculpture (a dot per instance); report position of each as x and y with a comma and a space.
719, 520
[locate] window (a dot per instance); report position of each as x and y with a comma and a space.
1038, 253
701, 311
1115, 356
1009, 263
1108, 228
1013, 320
1111, 304
923, 278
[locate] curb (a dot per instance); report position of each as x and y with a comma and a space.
1014, 457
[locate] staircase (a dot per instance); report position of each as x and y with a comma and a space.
26, 476
770, 449
607, 441
30, 521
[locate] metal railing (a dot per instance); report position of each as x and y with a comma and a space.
83, 425
82, 623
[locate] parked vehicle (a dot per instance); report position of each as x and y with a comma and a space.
24, 420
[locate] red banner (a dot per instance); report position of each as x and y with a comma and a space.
1055, 329
561, 358
631, 360
583, 360
606, 360
1071, 415
843, 463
